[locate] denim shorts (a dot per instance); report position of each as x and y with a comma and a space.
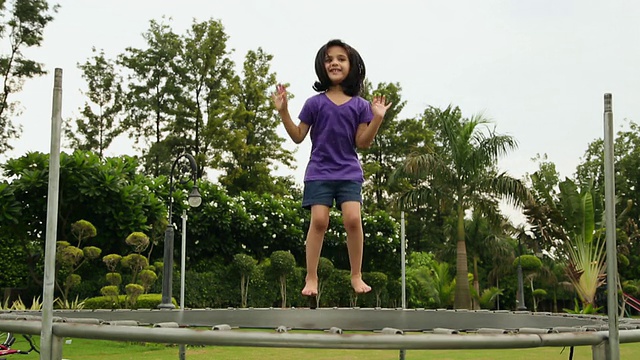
324, 192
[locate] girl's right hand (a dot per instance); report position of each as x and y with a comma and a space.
280, 98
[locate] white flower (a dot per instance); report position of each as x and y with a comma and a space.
264, 224
273, 236
243, 246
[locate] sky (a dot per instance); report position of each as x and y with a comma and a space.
538, 69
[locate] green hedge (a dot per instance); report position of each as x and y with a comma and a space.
145, 301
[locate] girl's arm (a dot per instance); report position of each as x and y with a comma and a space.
296, 132
366, 132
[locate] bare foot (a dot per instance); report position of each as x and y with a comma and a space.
310, 287
359, 286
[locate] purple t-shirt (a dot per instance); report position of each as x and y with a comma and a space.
333, 137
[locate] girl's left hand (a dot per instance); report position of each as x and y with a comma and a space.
379, 106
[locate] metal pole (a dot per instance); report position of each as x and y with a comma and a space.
167, 273
182, 352
403, 261
403, 246
521, 306
46, 340
610, 223
167, 266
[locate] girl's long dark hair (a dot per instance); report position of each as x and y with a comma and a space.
353, 83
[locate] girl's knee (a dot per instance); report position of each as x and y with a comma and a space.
319, 224
352, 222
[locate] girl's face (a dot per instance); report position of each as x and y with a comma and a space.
336, 63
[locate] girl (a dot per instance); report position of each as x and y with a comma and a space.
340, 121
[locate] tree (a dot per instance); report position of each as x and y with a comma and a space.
389, 147
378, 281
282, 265
110, 193
325, 271
487, 243
205, 76
70, 258
254, 147
99, 125
566, 224
245, 265
23, 24
627, 168
462, 173
531, 265
586, 247
151, 94
543, 214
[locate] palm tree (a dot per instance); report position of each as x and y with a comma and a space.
461, 172
487, 243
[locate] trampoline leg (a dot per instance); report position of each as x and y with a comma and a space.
599, 352
313, 302
402, 354
56, 348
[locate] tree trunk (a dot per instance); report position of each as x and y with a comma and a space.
476, 284
462, 295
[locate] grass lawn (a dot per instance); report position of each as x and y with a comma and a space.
109, 350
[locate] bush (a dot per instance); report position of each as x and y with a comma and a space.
144, 301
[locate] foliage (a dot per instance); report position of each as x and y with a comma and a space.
585, 248
540, 293
15, 271
135, 263
325, 270
378, 282
530, 263
254, 148
110, 292
206, 80
585, 309
133, 293
23, 24
488, 297
66, 304
70, 258
139, 241
101, 115
144, 301
151, 94
147, 278
395, 138
430, 283
461, 173
114, 278
282, 265
19, 305
112, 261
245, 265
626, 153
109, 193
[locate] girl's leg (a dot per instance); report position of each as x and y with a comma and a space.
352, 220
317, 228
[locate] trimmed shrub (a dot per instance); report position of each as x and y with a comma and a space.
144, 301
